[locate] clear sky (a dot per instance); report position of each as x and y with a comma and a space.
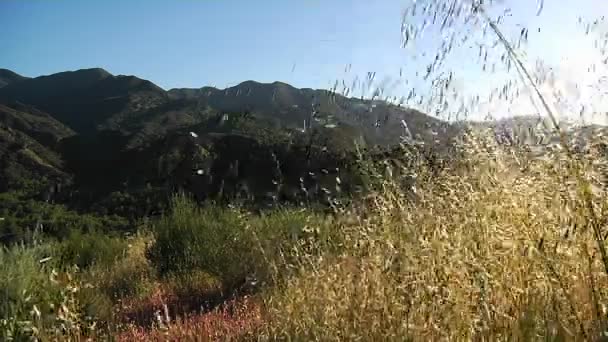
191, 43
307, 43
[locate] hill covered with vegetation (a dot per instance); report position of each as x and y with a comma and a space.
92, 134
266, 212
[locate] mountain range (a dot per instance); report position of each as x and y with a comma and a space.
91, 100
95, 130
91, 134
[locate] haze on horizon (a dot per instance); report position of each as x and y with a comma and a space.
354, 45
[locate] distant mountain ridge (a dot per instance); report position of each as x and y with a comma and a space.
101, 133
7, 77
105, 132
88, 100
82, 99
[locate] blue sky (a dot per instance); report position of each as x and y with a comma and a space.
191, 43
307, 43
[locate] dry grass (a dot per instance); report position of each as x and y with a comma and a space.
492, 250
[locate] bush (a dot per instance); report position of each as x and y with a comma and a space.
37, 302
23, 284
22, 216
225, 243
84, 249
209, 238
130, 275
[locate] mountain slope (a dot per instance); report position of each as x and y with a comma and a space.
86, 99
37, 124
378, 121
28, 155
93, 100
7, 77
110, 133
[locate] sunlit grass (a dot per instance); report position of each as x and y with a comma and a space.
489, 251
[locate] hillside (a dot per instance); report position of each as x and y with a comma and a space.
7, 77
86, 122
377, 121
91, 100
85, 100
81, 124
28, 139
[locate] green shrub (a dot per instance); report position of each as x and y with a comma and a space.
36, 301
228, 244
24, 282
84, 249
130, 275
208, 238
22, 216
